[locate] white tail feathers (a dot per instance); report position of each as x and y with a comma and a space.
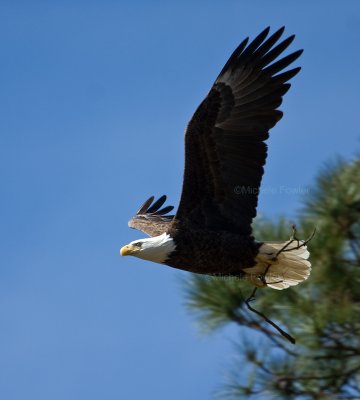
288, 268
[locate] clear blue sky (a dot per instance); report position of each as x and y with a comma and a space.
94, 99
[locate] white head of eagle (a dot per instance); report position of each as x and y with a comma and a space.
156, 249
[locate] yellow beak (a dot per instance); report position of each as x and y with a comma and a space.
127, 250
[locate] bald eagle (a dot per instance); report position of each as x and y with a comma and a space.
225, 154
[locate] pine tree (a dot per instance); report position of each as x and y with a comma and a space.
323, 313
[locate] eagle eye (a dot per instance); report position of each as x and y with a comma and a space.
137, 244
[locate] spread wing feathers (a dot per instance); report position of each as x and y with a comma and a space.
224, 142
151, 218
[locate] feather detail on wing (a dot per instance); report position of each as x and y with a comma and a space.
151, 218
225, 148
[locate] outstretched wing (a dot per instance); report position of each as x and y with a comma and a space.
224, 142
151, 218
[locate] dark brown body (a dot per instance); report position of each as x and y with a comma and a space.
212, 252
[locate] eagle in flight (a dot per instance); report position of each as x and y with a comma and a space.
225, 153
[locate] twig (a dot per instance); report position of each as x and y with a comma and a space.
263, 276
281, 331
295, 239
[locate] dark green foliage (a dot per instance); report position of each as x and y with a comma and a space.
323, 313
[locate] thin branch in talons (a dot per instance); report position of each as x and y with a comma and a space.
310, 237
262, 277
281, 331
252, 296
272, 283
292, 240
